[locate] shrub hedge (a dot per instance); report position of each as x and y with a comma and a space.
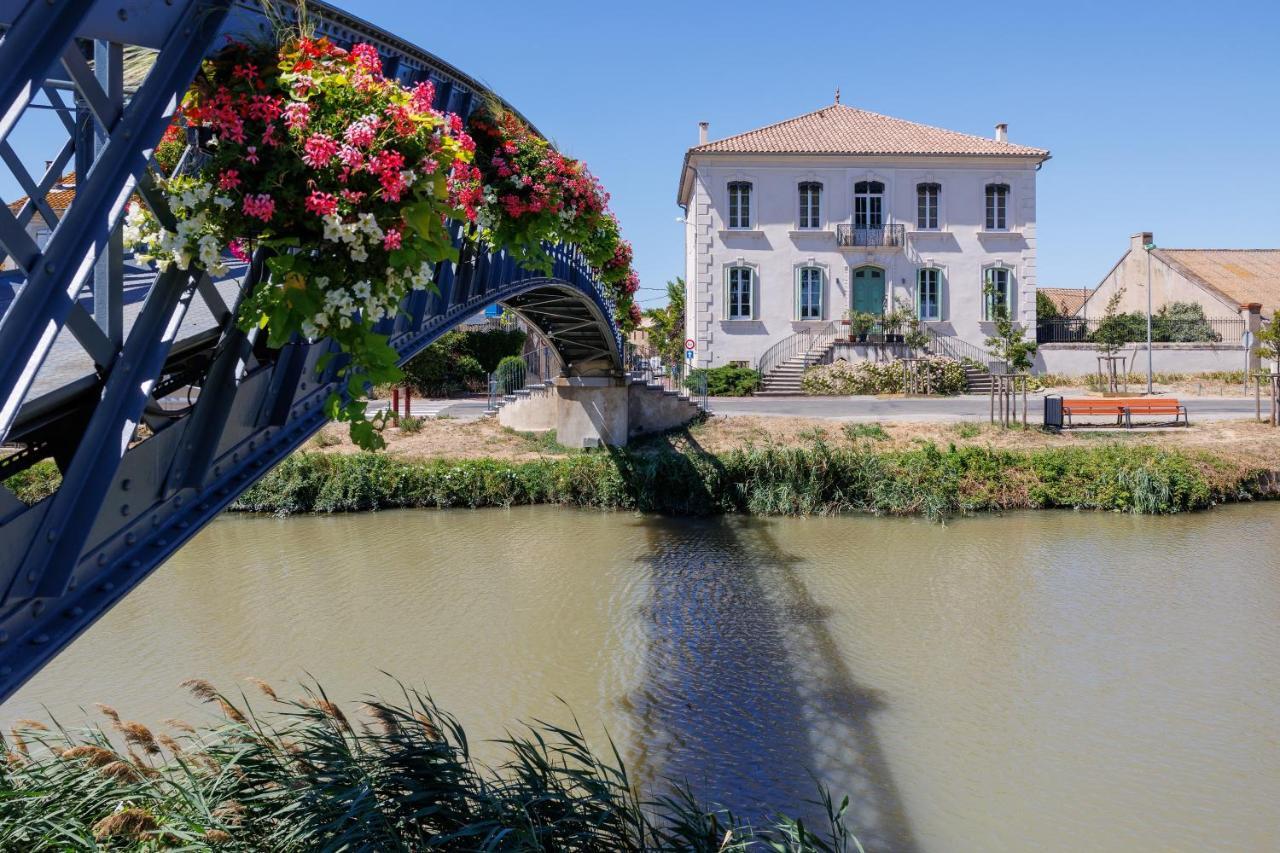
944, 376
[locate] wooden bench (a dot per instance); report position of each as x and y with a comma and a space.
1123, 409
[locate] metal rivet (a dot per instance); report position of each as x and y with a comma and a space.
217, 470
122, 14
108, 586
77, 611
124, 509
125, 484
177, 501
49, 268
53, 535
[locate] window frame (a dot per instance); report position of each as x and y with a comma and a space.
938, 284
810, 205
868, 195
923, 190
799, 302
996, 206
988, 299
750, 272
733, 211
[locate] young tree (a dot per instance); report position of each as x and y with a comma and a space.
1113, 332
1046, 308
1009, 344
666, 335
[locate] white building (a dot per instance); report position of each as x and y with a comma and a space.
790, 226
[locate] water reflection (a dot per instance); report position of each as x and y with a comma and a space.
745, 694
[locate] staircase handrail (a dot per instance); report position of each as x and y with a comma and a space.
959, 349
804, 341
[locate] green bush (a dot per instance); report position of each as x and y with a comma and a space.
460, 361
943, 375
36, 483
510, 374
726, 381
1176, 322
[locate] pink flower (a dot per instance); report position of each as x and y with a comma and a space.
249, 72
393, 185
362, 131
319, 150
238, 251
367, 59
392, 239
424, 95
352, 196
261, 206
297, 115
389, 160
455, 123
351, 157
322, 204
229, 180
251, 154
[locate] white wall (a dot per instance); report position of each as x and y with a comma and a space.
1082, 359
775, 248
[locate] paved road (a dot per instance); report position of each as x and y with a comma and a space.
467, 409
969, 407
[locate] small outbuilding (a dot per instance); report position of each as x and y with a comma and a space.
1224, 282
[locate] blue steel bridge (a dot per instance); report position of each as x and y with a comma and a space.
130, 497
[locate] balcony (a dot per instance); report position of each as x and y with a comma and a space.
891, 236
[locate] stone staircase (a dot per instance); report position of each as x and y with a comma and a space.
977, 380
784, 380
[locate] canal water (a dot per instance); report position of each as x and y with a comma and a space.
1038, 681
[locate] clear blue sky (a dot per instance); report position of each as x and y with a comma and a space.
1160, 116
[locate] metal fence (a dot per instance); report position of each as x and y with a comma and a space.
535, 367
644, 363
1132, 328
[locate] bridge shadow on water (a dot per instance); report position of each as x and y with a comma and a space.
745, 694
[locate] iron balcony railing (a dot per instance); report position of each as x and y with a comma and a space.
891, 235
1132, 328
645, 364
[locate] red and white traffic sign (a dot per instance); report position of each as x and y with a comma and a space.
689, 343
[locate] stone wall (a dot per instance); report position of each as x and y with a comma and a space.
1082, 359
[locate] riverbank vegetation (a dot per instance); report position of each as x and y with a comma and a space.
307, 775
853, 473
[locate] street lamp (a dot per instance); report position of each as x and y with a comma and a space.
1149, 247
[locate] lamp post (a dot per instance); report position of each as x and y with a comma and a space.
1149, 247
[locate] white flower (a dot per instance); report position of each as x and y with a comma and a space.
321, 319
358, 254
363, 290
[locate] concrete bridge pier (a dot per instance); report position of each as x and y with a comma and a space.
594, 411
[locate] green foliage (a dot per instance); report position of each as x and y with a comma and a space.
510, 374
1267, 340
452, 364
861, 323
36, 483
1009, 343
816, 479
944, 375
726, 381
875, 432
968, 429
410, 425
307, 775
1176, 322
667, 332
1115, 329
1046, 308
491, 346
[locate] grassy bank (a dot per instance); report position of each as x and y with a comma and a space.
673, 477
307, 775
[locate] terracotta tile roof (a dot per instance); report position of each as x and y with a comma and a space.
842, 129
1241, 275
1068, 299
59, 197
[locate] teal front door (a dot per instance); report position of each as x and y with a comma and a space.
868, 290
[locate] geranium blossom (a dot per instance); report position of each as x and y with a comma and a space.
322, 203
318, 150
261, 206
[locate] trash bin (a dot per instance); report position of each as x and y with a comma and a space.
1053, 412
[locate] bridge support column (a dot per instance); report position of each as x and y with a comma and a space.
591, 410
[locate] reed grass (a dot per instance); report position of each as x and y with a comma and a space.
817, 479
306, 775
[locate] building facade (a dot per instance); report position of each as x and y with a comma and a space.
792, 226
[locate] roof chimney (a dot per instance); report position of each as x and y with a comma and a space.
702, 132
1002, 132
1138, 242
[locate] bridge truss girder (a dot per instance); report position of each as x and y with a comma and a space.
141, 477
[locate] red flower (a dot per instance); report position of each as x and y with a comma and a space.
367, 59
322, 204
392, 238
261, 206
229, 180
319, 150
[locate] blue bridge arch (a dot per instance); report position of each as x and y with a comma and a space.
140, 475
